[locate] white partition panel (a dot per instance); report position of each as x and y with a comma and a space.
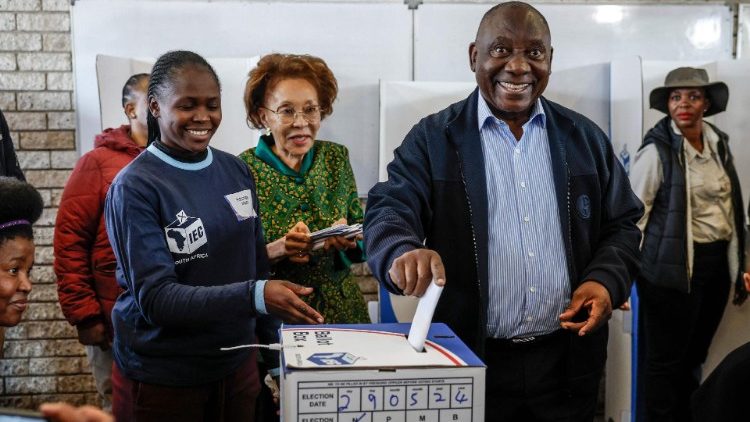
626, 118
362, 43
743, 32
734, 329
581, 35
403, 104
111, 74
584, 89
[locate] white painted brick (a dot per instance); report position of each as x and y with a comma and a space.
60, 81
73, 383
45, 273
7, 21
56, 42
26, 121
7, 101
52, 22
46, 195
28, 385
44, 255
50, 329
18, 81
48, 140
33, 159
43, 312
61, 120
37, 101
55, 194
16, 140
14, 367
43, 292
44, 61
20, 5
46, 220
7, 61
56, 5
16, 333
53, 366
43, 236
18, 41
47, 179
63, 159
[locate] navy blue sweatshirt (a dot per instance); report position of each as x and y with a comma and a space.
189, 249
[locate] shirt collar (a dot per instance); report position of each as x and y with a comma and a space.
264, 152
710, 138
485, 116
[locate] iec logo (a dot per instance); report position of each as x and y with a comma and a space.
186, 234
330, 359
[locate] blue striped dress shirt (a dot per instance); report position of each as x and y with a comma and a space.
528, 279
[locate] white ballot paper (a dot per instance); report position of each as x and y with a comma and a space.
420, 324
318, 238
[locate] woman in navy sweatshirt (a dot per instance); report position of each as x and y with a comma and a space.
183, 222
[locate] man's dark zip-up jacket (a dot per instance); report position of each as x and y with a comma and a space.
436, 197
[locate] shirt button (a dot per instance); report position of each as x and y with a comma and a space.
532, 290
531, 253
528, 318
304, 207
517, 151
523, 185
526, 219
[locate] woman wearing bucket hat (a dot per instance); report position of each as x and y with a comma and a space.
693, 242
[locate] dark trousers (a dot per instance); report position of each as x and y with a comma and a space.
678, 329
553, 379
231, 399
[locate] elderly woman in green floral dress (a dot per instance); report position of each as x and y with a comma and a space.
304, 184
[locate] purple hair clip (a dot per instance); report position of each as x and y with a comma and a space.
14, 223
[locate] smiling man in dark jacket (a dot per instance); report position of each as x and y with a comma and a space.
519, 207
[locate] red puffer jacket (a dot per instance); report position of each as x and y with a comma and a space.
84, 262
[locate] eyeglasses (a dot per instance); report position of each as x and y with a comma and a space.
287, 115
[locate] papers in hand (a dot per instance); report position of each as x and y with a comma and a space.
318, 238
420, 325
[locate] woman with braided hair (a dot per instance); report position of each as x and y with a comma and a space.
183, 222
20, 206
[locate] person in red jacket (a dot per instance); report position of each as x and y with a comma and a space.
84, 261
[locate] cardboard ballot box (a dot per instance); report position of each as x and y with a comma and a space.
370, 373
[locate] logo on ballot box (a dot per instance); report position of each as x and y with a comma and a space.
186, 234
333, 359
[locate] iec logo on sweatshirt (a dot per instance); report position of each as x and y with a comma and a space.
186, 234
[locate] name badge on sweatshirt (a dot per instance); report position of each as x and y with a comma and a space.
242, 204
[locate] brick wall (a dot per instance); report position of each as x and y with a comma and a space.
42, 359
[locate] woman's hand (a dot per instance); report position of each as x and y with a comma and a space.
340, 242
295, 245
282, 300
95, 335
63, 412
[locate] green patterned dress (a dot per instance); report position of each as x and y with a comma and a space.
322, 192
